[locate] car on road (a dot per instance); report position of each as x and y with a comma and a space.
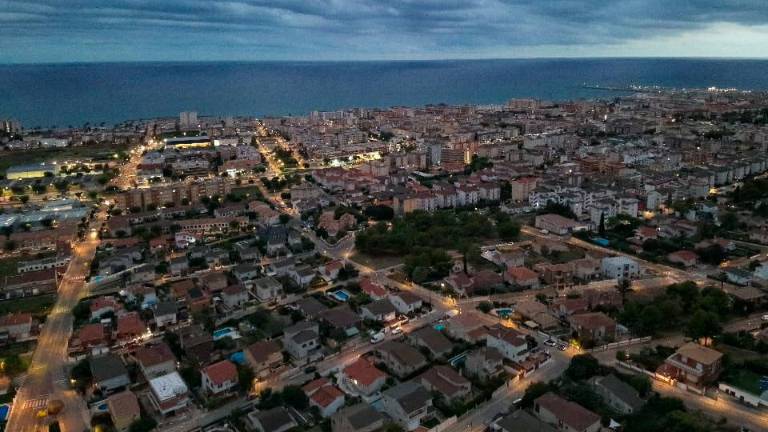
397, 331
562, 347
378, 337
550, 343
765, 317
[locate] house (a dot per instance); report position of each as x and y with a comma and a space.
214, 281
435, 342
685, 258
103, 305
123, 409
619, 267
92, 336
444, 380
246, 272
263, 357
693, 364
484, 363
165, 314
400, 359
343, 319
267, 289
331, 269
168, 393
302, 275
18, 326
155, 360
483, 282
460, 282
129, 327
324, 395
537, 312
179, 265
593, 326
379, 310
559, 225
510, 343
109, 373
522, 277
521, 421
363, 377
738, 276
586, 269
234, 296
467, 326
310, 307
619, 395
374, 290
357, 418
565, 415
557, 275
405, 302
272, 420
219, 378
302, 340
407, 404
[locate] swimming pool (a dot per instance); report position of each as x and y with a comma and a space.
503, 312
4, 410
439, 327
238, 357
225, 332
341, 295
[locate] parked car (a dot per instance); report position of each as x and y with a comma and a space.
550, 343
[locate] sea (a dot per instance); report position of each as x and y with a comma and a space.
63, 95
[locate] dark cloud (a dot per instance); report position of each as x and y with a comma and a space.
61, 30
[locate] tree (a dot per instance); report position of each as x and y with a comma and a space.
295, 397
533, 392
485, 306
284, 219
601, 227
245, 377
623, 287
703, 324
582, 367
144, 424
505, 191
508, 230
379, 212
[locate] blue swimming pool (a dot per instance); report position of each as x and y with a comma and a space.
4, 410
504, 312
238, 357
225, 332
341, 295
439, 327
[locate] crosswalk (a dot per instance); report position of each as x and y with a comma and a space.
37, 403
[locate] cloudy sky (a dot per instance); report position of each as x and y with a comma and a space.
128, 30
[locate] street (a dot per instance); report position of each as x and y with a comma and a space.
46, 379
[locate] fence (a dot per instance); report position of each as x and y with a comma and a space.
620, 344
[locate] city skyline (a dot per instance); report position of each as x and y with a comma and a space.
88, 31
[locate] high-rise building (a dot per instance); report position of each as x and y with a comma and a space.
188, 119
10, 126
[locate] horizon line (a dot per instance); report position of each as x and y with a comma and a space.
448, 59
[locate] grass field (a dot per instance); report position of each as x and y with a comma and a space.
376, 263
745, 380
11, 158
34, 305
8, 266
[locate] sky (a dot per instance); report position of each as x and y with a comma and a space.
43, 31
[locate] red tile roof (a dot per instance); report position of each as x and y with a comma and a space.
221, 372
363, 372
570, 413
